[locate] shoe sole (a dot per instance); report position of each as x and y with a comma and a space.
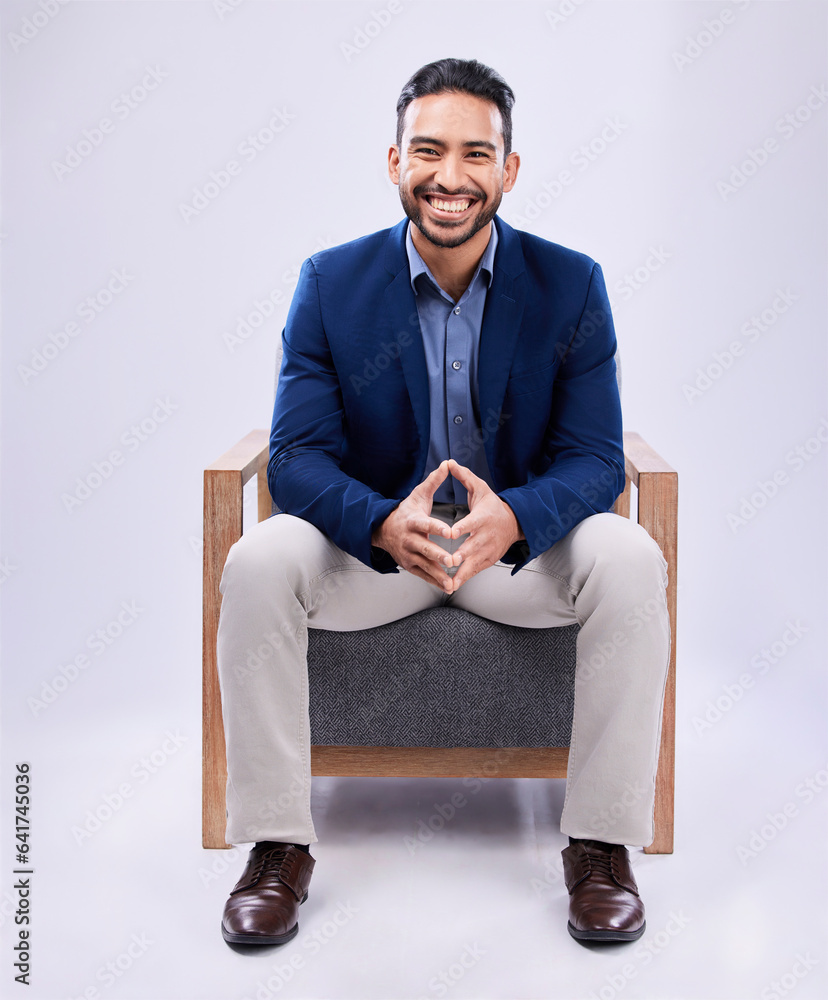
262, 939
606, 935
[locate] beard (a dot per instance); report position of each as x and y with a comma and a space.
445, 233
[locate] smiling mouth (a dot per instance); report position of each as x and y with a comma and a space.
449, 206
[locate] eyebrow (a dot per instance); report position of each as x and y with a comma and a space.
429, 141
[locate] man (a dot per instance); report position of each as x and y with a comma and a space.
477, 469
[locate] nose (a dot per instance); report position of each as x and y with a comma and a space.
449, 173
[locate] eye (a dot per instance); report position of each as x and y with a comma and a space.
428, 152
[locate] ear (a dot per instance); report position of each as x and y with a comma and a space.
394, 164
510, 171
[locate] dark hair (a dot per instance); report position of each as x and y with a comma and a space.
465, 76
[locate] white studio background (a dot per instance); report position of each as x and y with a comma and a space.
129, 257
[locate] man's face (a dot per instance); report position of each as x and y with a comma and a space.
450, 166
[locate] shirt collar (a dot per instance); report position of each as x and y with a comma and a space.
418, 266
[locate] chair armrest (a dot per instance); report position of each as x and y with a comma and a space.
640, 457
224, 482
657, 484
228, 474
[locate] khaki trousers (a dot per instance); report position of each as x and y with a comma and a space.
284, 576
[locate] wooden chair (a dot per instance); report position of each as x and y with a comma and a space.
657, 497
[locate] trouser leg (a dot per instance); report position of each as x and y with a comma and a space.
608, 576
282, 577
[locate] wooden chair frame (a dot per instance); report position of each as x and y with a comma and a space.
224, 480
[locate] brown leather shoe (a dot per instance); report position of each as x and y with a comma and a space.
263, 907
604, 903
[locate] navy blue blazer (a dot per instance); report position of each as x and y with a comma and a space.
350, 429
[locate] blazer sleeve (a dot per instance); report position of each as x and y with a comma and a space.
584, 444
307, 436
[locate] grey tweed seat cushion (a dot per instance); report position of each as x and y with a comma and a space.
442, 678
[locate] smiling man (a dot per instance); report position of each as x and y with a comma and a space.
477, 470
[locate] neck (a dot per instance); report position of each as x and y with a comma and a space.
453, 267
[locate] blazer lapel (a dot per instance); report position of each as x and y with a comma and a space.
501, 327
404, 328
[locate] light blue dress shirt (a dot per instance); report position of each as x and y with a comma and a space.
451, 338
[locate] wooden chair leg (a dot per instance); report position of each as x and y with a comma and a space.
658, 513
223, 511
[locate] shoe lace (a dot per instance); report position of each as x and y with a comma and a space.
270, 863
601, 863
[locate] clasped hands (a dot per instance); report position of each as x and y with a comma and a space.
490, 524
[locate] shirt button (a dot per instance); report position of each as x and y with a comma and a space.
458, 419
457, 311
456, 365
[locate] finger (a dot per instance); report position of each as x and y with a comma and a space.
432, 553
477, 549
464, 474
440, 579
467, 525
425, 525
462, 575
428, 487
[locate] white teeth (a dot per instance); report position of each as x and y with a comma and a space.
450, 206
